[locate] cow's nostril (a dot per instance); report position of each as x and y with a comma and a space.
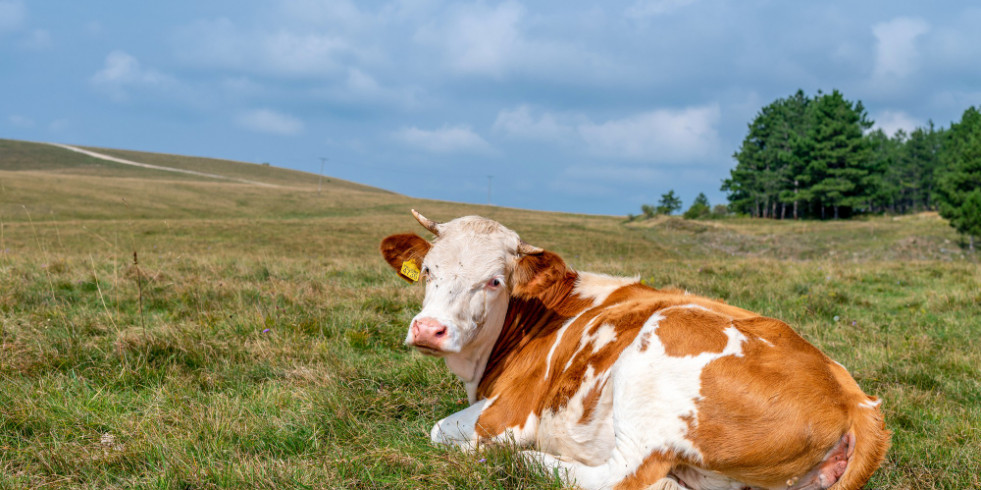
441, 332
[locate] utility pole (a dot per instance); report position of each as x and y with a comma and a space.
320, 182
490, 178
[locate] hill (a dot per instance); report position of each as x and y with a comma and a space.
48, 182
257, 341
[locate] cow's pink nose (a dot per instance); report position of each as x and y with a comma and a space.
428, 332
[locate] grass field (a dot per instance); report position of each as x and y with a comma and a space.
258, 341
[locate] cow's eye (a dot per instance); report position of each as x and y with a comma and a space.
425, 271
494, 283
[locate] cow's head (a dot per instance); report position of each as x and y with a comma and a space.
471, 270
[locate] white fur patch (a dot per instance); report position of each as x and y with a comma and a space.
602, 335
871, 403
689, 306
654, 393
558, 340
564, 433
459, 429
599, 286
582, 343
648, 399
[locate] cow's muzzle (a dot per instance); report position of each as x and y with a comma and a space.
428, 334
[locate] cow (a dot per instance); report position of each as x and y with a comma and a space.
610, 383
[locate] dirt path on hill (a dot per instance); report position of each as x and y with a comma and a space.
103, 156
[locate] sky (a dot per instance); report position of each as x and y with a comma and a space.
588, 107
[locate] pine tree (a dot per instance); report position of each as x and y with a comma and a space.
959, 183
768, 161
922, 153
669, 203
894, 175
790, 142
836, 152
700, 208
883, 180
968, 220
744, 186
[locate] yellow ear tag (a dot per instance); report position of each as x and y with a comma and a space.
410, 270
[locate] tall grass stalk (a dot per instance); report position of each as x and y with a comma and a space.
139, 289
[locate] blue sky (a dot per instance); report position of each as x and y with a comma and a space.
570, 106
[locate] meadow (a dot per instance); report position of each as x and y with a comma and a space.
256, 340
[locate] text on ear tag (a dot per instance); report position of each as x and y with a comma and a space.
410, 270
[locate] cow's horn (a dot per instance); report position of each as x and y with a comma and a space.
524, 248
426, 222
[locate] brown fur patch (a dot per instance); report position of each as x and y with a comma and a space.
545, 277
645, 341
541, 302
872, 440
772, 413
591, 400
692, 331
654, 467
515, 371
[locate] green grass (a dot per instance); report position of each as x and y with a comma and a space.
266, 351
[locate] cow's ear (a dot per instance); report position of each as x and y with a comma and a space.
405, 253
536, 274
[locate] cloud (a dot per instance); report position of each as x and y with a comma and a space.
241, 86
448, 139
651, 8
891, 121
896, 53
520, 123
335, 12
659, 135
268, 121
955, 101
484, 41
361, 87
12, 15
662, 135
492, 41
20, 121
122, 71
271, 51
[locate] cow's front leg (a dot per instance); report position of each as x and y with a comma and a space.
459, 429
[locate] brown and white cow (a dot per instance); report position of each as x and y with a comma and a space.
619, 385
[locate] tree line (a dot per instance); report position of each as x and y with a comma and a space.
670, 202
816, 157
